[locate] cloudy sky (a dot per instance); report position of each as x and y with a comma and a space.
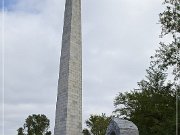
119, 36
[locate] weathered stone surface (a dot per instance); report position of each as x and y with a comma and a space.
69, 100
121, 127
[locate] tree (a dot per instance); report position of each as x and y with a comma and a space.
168, 54
35, 125
152, 107
97, 125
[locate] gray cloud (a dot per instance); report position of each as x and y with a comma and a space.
119, 36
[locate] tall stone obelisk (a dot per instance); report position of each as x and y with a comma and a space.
69, 99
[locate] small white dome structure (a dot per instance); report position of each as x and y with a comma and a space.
119, 126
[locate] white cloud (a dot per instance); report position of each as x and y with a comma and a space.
118, 38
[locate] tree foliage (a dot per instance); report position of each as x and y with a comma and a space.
86, 132
152, 107
35, 125
20, 131
97, 125
168, 54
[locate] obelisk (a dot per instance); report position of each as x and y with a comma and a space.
69, 99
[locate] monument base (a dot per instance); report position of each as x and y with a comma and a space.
119, 126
